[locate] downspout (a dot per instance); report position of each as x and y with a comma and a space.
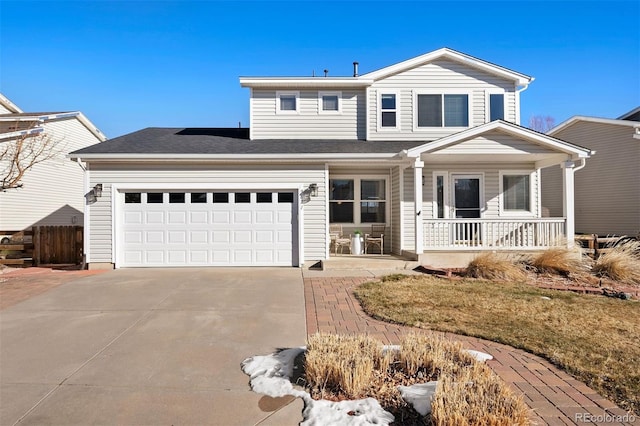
85, 237
518, 91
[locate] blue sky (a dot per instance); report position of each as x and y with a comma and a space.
130, 65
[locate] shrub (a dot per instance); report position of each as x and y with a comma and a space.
620, 263
493, 266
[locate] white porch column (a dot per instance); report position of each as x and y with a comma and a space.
417, 198
568, 202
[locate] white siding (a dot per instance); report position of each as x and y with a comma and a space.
607, 190
308, 123
301, 176
53, 191
496, 143
439, 75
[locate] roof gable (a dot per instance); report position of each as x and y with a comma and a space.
452, 55
576, 119
476, 135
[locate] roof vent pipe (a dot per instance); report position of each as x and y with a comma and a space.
326, 73
355, 69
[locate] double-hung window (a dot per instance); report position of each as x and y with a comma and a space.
287, 102
388, 111
516, 192
358, 200
442, 110
329, 102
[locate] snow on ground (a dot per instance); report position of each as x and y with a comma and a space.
271, 375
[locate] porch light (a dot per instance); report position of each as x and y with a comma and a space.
97, 190
313, 188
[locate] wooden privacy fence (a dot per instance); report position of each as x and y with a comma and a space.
49, 245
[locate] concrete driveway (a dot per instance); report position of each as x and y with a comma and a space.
149, 346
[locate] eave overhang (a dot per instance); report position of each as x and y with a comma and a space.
301, 82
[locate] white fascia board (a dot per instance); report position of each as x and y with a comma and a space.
18, 133
578, 118
508, 128
235, 157
5, 102
45, 117
629, 113
273, 82
91, 127
446, 53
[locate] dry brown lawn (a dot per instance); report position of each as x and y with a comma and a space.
338, 367
594, 338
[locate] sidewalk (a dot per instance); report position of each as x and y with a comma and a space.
554, 397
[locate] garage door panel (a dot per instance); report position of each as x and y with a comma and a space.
133, 218
154, 218
242, 217
155, 257
154, 237
177, 218
176, 237
221, 218
214, 232
198, 237
133, 237
199, 218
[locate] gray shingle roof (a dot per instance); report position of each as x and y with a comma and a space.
154, 140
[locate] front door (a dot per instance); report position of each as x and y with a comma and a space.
466, 196
466, 206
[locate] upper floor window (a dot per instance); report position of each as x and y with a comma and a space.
442, 110
388, 110
287, 102
329, 102
496, 106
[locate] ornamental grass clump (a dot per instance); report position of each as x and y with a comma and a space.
340, 367
557, 260
494, 266
620, 263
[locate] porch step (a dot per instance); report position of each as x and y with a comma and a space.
369, 262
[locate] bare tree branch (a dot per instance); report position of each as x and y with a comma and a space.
541, 123
22, 153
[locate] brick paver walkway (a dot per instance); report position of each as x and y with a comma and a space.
554, 397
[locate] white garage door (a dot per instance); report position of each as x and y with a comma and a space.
222, 228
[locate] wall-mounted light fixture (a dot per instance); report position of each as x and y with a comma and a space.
97, 190
313, 189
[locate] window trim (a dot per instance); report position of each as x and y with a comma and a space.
357, 198
532, 209
445, 194
321, 95
396, 93
281, 93
442, 92
487, 103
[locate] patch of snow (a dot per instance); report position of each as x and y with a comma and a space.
479, 356
545, 298
419, 396
270, 375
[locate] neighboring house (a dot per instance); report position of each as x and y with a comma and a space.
607, 190
52, 192
430, 147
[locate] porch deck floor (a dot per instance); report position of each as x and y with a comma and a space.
554, 397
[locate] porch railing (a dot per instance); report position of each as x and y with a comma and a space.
491, 234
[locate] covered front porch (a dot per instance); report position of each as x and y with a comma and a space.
480, 190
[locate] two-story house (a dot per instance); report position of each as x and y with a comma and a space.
431, 148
